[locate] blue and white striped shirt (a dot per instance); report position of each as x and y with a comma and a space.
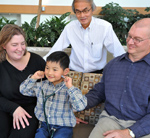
59, 108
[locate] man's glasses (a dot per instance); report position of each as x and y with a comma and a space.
85, 11
135, 40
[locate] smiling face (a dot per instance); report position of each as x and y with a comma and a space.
84, 18
16, 47
140, 49
53, 72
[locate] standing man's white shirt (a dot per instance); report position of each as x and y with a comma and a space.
90, 45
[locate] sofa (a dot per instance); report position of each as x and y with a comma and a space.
85, 82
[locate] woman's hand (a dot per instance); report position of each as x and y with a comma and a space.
20, 116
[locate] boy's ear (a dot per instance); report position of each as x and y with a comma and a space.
66, 71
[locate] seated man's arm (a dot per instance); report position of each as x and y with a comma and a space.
96, 95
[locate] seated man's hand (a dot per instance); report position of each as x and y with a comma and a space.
78, 121
117, 134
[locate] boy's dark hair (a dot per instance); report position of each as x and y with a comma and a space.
59, 57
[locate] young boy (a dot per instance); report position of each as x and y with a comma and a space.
65, 98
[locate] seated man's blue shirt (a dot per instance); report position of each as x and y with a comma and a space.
125, 88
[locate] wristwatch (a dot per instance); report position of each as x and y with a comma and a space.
131, 133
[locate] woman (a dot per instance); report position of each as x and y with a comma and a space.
17, 119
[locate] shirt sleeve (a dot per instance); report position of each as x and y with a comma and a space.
77, 100
61, 43
96, 95
7, 105
29, 87
112, 43
142, 126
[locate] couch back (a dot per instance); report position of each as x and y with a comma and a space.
85, 82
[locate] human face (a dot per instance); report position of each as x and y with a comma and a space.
138, 50
15, 48
84, 17
53, 72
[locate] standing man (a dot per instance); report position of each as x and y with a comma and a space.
90, 38
125, 88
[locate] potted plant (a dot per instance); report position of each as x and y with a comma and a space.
118, 17
4, 21
121, 19
47, 33
41, 39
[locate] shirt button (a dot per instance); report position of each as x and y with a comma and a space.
122, 105
125, 91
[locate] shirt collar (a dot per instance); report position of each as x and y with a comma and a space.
124, 56
57, 85
146, 58
88, 26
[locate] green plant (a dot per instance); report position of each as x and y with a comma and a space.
30, 31
147, 9
4, 21
53, 28
119, 19
137, 17
47, 33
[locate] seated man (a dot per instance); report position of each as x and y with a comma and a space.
125, 88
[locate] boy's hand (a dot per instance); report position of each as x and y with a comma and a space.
68, 82
38, 75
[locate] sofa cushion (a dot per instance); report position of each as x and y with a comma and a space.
76, 78
82, 130
85, 82
88, 81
